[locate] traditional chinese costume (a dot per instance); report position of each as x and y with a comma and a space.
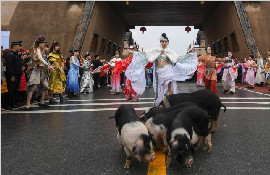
87, 81
57, 76
72, 83
168, 68
229, 75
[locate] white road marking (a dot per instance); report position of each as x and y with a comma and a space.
113, 99
244, 102
68, 111
244, 98
253, 108
252, 91
224, 98
112, 109
134, 103
104, 104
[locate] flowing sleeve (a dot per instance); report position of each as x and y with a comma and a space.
73, 61
39, 55
136, 72
187, 65
184, 69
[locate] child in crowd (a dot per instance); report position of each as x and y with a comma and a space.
22, 88
87, 81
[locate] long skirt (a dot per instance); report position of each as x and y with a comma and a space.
57, 81
129, 91
260, 76
115, 83
87, 82
250, 77
72, 84
38, 77
199, 78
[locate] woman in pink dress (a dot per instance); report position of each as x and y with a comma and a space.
250, 76
116, 66
200, 71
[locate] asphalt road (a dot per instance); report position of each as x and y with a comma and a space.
76, 138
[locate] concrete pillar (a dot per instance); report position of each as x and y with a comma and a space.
249, 37
83, 25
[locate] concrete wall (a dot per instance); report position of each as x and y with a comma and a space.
225, 20
259, 18
56, 20
221, 23
7, 11
59, 21
104, 22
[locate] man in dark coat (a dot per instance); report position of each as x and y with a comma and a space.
13, 72
96, 63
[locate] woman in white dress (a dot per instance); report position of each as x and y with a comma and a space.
260, 74
169, 68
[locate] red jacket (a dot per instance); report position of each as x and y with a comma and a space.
22, 86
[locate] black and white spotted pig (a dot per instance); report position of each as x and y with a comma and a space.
133, 135
158, 124
184, 132
204, 98
151, 112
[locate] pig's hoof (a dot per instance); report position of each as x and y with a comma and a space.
126, 166
168, 164
188, 166
209, 149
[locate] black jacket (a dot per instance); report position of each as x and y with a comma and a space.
96, 64
14, 64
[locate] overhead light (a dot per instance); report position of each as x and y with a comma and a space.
202, 2
127, 2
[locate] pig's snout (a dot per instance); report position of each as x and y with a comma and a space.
189, 162
149, 158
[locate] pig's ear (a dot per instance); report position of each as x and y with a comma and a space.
133, 149
139, 151
174, 150
142, 115
143, 119
192, 148
152, 139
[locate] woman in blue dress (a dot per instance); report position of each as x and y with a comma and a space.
72, 84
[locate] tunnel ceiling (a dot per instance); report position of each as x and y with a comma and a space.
164, 13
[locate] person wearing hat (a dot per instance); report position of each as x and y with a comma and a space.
39, 73
87, 81
13, 72
72, 83
57, 77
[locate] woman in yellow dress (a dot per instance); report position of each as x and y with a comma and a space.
57, 77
